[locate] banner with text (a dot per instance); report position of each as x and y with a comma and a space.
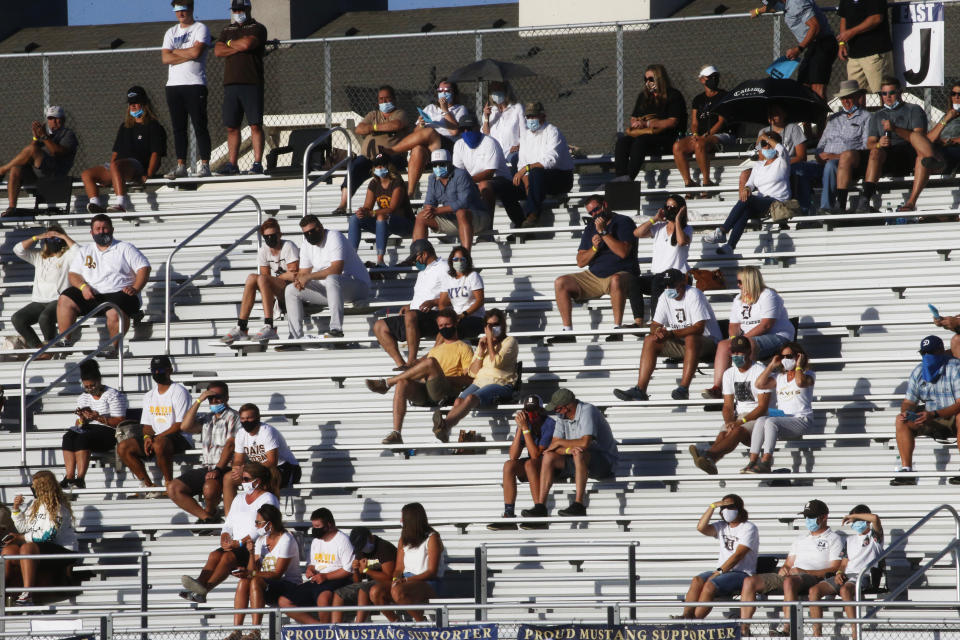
918, 33
388, 632
678, 631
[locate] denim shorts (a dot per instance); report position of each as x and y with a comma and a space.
767, 344
726, 584
488, 395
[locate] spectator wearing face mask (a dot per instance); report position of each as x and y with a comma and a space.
658, 116
278, 263
463, 291
503, 120
482, 157
671, 246
374, 562
385, 210
945, 134
453, 205
544, 164
709, 131
257, 441
51, 253
842, 147
739, 542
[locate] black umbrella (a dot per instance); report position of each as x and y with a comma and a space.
749, 101
489, 69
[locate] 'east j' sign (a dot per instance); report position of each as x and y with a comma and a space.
918, 32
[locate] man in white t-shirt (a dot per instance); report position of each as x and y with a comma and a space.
813, 557
683, 327
419, 318
185, 51
164, 407
743, 403
330, 273
258, 442
482, 157
330, 566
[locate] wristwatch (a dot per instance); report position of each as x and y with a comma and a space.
719, 569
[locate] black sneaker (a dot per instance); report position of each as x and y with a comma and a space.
575, 509
534, 526
901, 481
614, 337
538, 510
564, 337
504, 524
954, 480
79, 483
66, 482
680, 393
633, 393
333, 333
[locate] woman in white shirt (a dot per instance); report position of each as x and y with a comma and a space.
671, 245
50, 254
45, 526
788, 373
463, 290
503, 120
272, 570
770, 176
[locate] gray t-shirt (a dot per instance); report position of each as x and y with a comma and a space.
905, 115
792, 136
588, 421
796, 13
950, 130
68, 139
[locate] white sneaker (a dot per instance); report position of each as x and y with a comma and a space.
267, 332
179, 172
204, 170
717, 237
234, 334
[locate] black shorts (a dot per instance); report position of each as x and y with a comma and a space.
306, 594
130, 305
241, 100
180, 444
900, 160
93, 437
195, 479
240, 553
426, 324
276, 588
598, 468
447, 143
818, 61
351, 592
470, 327
54, 565
290, 475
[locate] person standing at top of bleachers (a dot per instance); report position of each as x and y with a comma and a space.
544, 164
842, 149
930, 406
739, 542
453, 205
259, 442
953, 324
218, 429
184, 50
482, 157
106, 270
743, 405
671, 236
709, 131
330, 274
608, 250
503, 120
164, 407
864, 41
683, 327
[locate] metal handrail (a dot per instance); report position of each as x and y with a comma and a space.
347, 159
166, 277
39, 352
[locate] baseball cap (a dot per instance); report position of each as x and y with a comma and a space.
54, 111
708, 70
815, 509
239, 4
739, 344
439, 155
467, 122
532, 402
671, 277
359, 537
136, 94
160, 363
181, 6
847, 88
381, 160
533, 109
931, 344
419, 246
559, 397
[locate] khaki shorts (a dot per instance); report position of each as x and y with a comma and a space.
673, 348
869, 70
434, 392
593, 287
770, 582
447, 223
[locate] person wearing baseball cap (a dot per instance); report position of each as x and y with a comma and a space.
930, 406
843, 146
533, 436
544, 163
813, 556
743, 404
453, 205
582, 446
709, 131
49, 154
482, 157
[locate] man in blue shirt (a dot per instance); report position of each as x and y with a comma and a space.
608, 250
453, 205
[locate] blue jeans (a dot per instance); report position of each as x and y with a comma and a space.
394, 224
488, 395
802, 177
828, 196
736, 222
726, 584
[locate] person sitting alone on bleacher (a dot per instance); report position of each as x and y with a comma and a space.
258, 442
453, 205
49, 154
770, 176
272, 569
433, 380
813, 557
259, 488
862, 551
482, 157
789, 374
106, 270
494, 373
420, 567
743, 405
419, 318
931, 404
140, 144
99, 410
683, 327
374, 561
385, 210
842, 149
218, 429
503, 120
544, 164
945, 135
51, 254
381, 129
278, 262
709, 131
953, 324
330, 273
759, 315
739, 542
582, 447
608, 250
534, 434
329, 567
463, 291
671, 247
658, 118
898, 144
164, 407
45, 526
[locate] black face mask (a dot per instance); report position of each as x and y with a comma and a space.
272, 240
54, 245
250, 426
448, 332
161, 377
318, 533
103, 239
314, 236
712, 82
670, 213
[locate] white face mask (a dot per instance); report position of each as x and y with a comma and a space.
789, 364
238, 18
248, 487
261, 531
729, 515
956, 106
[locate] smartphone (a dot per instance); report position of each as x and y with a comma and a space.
911, 415
7, 539
933, 310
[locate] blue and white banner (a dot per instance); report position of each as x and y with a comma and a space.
918, 33
679, 631
388, 632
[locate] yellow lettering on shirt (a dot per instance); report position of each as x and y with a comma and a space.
323, 560
89, 263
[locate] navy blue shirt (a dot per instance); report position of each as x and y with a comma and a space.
606, 262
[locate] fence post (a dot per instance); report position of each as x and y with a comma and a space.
613, 615
632, 577
105, 631
928, 101
328, 82
796, 621
272, 625
108, 632
620, 78
46, 80
144, 587
443, 617
478, 55
776, 36
480, 581
3, 595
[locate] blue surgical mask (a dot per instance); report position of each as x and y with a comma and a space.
441, 171
444, 95
739, 360
472, 138
533, 124
812, 524
385, 107
851, 109
933, 364
137, 114
892, 106
859, 526
769, 154
218, 408
420, 265
238, 17
381, 172
673, 294
498, 98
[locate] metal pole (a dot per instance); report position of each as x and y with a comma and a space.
272, 624
478, 55
327, 83
632, 576
144, 587
928, 101
796, 621
105, 630
620, 78
46, 81
477, 584
483, 580
120, 337
776, 37
3, 595
443, 617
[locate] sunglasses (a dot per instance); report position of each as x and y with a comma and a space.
955, 93
269, 235
889, 93
764, 145
259, 523
214, 398
458, 259
594, 211
649, 79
